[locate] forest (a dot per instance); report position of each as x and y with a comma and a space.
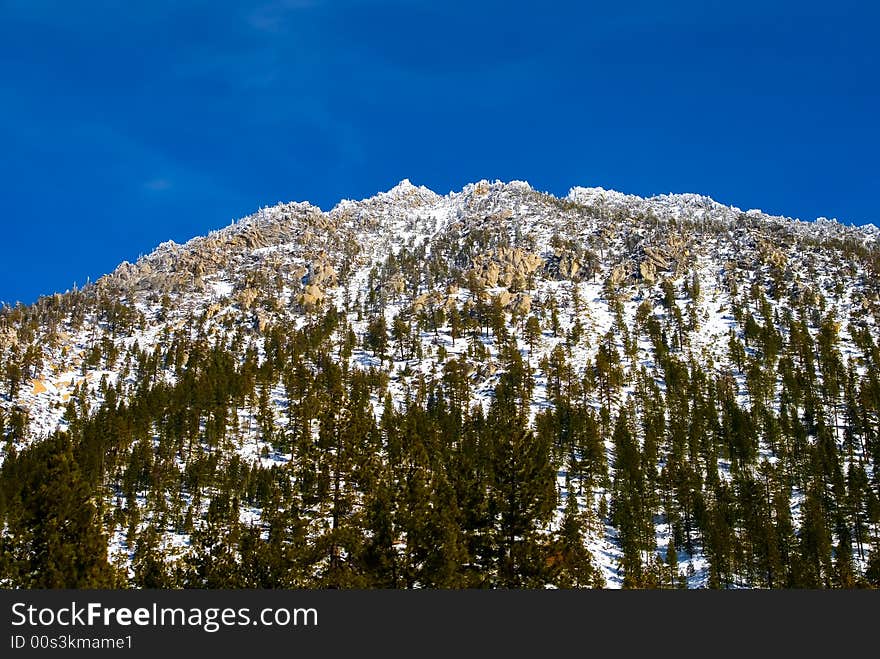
666, 393
436, 493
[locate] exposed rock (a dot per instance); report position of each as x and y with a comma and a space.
321, 273
506, 266
618, 275
426, 300
570, 268
658, 258
772, 255
420, 302
491, 274
8, 337
299, 273
521, 305
485, 371
247, 296
311, 297
395, 285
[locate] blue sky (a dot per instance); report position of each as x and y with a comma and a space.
125, 124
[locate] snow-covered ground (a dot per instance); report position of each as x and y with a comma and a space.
236, 277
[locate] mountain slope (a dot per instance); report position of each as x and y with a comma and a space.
491, 387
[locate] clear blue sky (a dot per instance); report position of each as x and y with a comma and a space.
124, 124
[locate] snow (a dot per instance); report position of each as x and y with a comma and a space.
222, 288
400, 220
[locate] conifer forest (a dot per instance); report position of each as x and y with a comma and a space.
493, 388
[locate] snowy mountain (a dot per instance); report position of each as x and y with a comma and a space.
495, 387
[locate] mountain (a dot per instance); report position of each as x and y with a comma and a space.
492, 388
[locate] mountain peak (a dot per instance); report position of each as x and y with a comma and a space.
406, 188
239, 344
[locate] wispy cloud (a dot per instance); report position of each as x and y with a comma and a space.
271, 17
158, 184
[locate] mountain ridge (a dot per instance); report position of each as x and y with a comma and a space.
585, 195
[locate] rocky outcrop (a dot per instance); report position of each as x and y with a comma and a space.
395, 285
426, 301
668, 258
565, 264
658, 258
504, 298
506, 266
569, 267
321, 273
618, 275
450, 303
648, 271
8, 337
246, 297
175, 267
311, 297
212, 311
521, 305
262, 321
772, 255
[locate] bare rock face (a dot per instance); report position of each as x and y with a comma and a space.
311, 297
500, 216
426, 301
618, 275
677, 247
485, 371
491, 274
657, 258
523, 261
300, 273
262, 321
648, 271
564, 264
8, 337
421, 302
178, 268
569, 267
506, 266
321, 273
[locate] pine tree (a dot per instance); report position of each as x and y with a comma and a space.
628, 510
57, 540
571, 563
